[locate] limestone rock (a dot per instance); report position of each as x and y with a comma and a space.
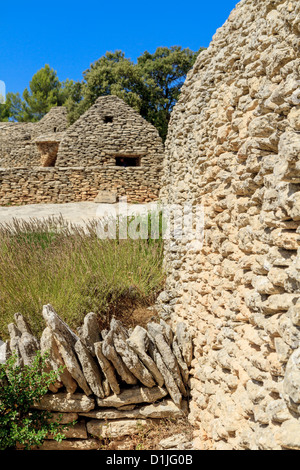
55, 361
115, 429
90, 369
132, 396
66, 403
184, 339
291, 383
107, 369
162, 409
167, 355
28, 347
139, 342
71, 362
132, 362
110, 353
90, 332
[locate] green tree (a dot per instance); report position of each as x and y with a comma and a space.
20, 389
164, 73
45, 91
12, 109
151, 86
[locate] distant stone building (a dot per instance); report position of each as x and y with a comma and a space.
110, 151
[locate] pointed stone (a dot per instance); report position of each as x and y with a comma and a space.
185, 342
133, 363
28, 346
90, 369
139, 342
167, 355
110, 353
107, 369
90, 332
55, 361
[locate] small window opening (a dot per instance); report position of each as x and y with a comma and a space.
108, 119
55, 129
128, 161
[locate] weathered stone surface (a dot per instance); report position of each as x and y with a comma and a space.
4, 352
110, 353
115, 429
107, 369
28, 346
21, 323
139, 342
291, 383
64, 418
133, 395
167, 355
290, 434
70, 360
232, 151
182, 364
169, 381
55, 361
176, 442
90, 332
66, 403
185, 341
162, 409
90, 369
133, 363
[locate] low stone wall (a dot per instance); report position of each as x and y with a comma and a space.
114, 382
61, 185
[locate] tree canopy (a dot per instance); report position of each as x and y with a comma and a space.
151, 86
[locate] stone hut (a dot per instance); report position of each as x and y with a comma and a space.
109, 152
234, 148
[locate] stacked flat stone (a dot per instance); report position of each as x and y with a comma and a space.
113, 381
234, 147
17, 140
46, 162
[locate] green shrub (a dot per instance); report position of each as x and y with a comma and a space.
20, 389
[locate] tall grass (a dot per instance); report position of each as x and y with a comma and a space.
74, 270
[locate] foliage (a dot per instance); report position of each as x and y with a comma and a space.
151, 86
20, 389
77, 272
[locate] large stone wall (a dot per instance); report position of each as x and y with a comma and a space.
234, 146
17, 140
62, 184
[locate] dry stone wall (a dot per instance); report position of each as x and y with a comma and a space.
43, 162
63, 184
110, 128
113, 382
17, 140
234, 146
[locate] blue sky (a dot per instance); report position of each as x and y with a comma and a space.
69, 36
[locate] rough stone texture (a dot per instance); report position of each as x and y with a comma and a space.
233, 147
40, 163
116, 428
133, 395
17, 140
163, 409
66, 403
